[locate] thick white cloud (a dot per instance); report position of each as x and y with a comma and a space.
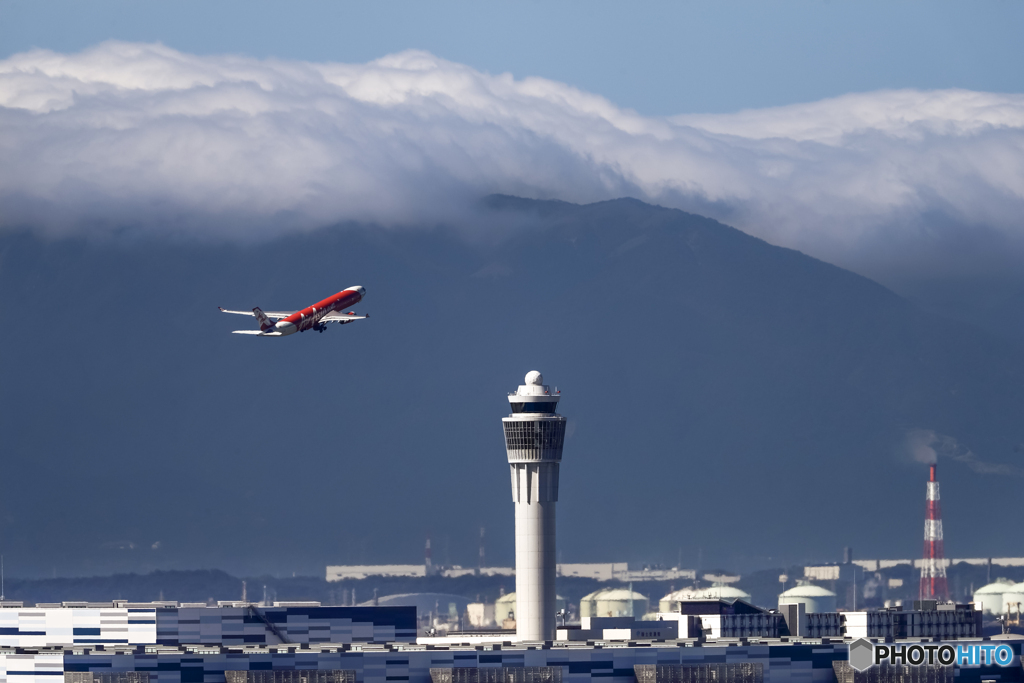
131, 134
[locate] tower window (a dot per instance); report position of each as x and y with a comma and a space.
535, 407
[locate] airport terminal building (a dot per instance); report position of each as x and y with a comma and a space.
122, 623
147, 643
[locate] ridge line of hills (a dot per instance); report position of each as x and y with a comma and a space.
726, 397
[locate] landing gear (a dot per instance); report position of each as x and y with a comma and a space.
320, 327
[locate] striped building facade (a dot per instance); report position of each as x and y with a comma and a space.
29, 627
668, 662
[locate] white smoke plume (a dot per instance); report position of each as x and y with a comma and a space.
128, 135
927, 446
920, 445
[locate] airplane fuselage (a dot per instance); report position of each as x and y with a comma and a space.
307, 318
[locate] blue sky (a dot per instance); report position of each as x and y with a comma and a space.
659, 58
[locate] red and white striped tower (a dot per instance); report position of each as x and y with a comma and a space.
933, 570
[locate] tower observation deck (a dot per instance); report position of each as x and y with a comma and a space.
533, 441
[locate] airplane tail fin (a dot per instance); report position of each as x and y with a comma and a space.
264, 321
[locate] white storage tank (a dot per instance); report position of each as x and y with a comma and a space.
504, 606
989, 598
588, 603
614, 602
814, 598
507, 603
1013, 599
670, 603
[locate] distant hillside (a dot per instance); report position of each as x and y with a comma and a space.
729, 401
204, 586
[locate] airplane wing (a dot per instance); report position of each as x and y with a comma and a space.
258, 333
273, 315
341, 318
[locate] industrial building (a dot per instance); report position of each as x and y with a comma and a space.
597, 662
602, 651
717, 619
875, 565
672, 601
620, 628
621, 571
357, 572
122, 623
600, 571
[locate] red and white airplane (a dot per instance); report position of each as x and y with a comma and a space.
313, 318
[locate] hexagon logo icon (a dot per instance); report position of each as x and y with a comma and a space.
862, 654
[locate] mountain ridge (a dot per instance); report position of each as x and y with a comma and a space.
708, 376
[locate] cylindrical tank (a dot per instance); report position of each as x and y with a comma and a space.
588, 603
670, 603
614, 602
506, 605
1013, 599
989, 598
814, 598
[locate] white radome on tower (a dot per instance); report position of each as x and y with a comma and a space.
534, 434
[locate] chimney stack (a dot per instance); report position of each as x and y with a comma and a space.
933, 569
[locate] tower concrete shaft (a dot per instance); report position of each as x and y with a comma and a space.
933, 569
534, 434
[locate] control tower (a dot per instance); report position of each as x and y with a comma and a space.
533, 440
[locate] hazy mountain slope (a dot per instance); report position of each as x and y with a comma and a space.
724, 395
